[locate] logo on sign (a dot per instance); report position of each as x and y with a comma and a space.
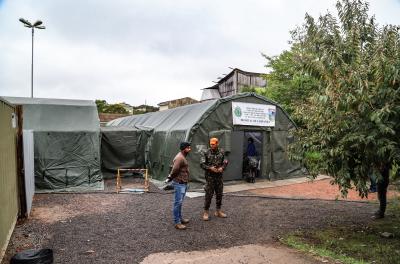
238, 111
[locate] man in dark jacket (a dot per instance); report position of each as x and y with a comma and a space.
213, 163
180, 178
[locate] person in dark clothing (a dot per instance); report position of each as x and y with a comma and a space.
180, 177
213, 163
251, 148
251, 160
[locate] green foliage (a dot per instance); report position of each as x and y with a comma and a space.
101, 105
288, 83
349, 109
104, 107
300, 244
115, 109
361, 244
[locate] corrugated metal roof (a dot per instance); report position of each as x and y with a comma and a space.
209, 94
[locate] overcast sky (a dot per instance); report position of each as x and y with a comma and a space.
146, 51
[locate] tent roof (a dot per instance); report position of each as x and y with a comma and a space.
114, 128
47, 101
180, 118
45, 114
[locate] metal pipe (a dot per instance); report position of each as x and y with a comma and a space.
32, 65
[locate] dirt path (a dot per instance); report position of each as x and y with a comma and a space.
318, 189
262, 254
127, 228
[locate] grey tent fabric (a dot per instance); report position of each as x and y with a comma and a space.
58, 114
66, 161
175, 119
122, 148
66, 143
196, 123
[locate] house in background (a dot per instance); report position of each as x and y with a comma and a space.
176, 103
142, 109
233, 83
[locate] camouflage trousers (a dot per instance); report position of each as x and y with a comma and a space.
213, 184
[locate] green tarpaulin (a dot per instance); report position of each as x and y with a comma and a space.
122, 148
196, 123
66, 139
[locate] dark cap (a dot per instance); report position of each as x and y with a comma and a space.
184, 145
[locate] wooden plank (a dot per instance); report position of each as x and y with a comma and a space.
20, 164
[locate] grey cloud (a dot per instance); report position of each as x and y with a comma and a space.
153, 50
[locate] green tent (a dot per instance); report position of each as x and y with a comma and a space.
122, 148
66, 139
232, 119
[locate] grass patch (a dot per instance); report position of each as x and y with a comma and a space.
355, 245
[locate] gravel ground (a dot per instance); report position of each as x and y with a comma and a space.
125, 228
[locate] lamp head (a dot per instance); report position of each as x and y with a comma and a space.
37, 23
25, 22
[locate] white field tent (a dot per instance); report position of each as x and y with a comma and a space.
66, 140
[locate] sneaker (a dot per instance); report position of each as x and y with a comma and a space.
220, 214
206, 216
180, 227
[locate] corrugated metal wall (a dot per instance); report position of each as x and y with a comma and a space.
8, 174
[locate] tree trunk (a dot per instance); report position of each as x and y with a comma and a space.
382, 185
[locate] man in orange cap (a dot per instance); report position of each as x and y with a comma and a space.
214, 163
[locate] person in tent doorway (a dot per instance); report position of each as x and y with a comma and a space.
180, 177
213, 163
251, 148
251, 159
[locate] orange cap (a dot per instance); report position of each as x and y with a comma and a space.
214, 141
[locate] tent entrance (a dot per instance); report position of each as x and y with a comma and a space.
234, 154
235, 145
252, 153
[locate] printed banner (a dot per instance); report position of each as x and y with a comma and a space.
253, 114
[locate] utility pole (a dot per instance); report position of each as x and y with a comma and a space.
37, 25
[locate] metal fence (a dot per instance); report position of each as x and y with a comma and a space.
8, 174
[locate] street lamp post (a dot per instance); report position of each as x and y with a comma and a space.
37, 25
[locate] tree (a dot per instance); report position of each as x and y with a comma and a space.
101, 105
104, 107
351, 120
288, 83
115, 109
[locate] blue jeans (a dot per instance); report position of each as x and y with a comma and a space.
180, 191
